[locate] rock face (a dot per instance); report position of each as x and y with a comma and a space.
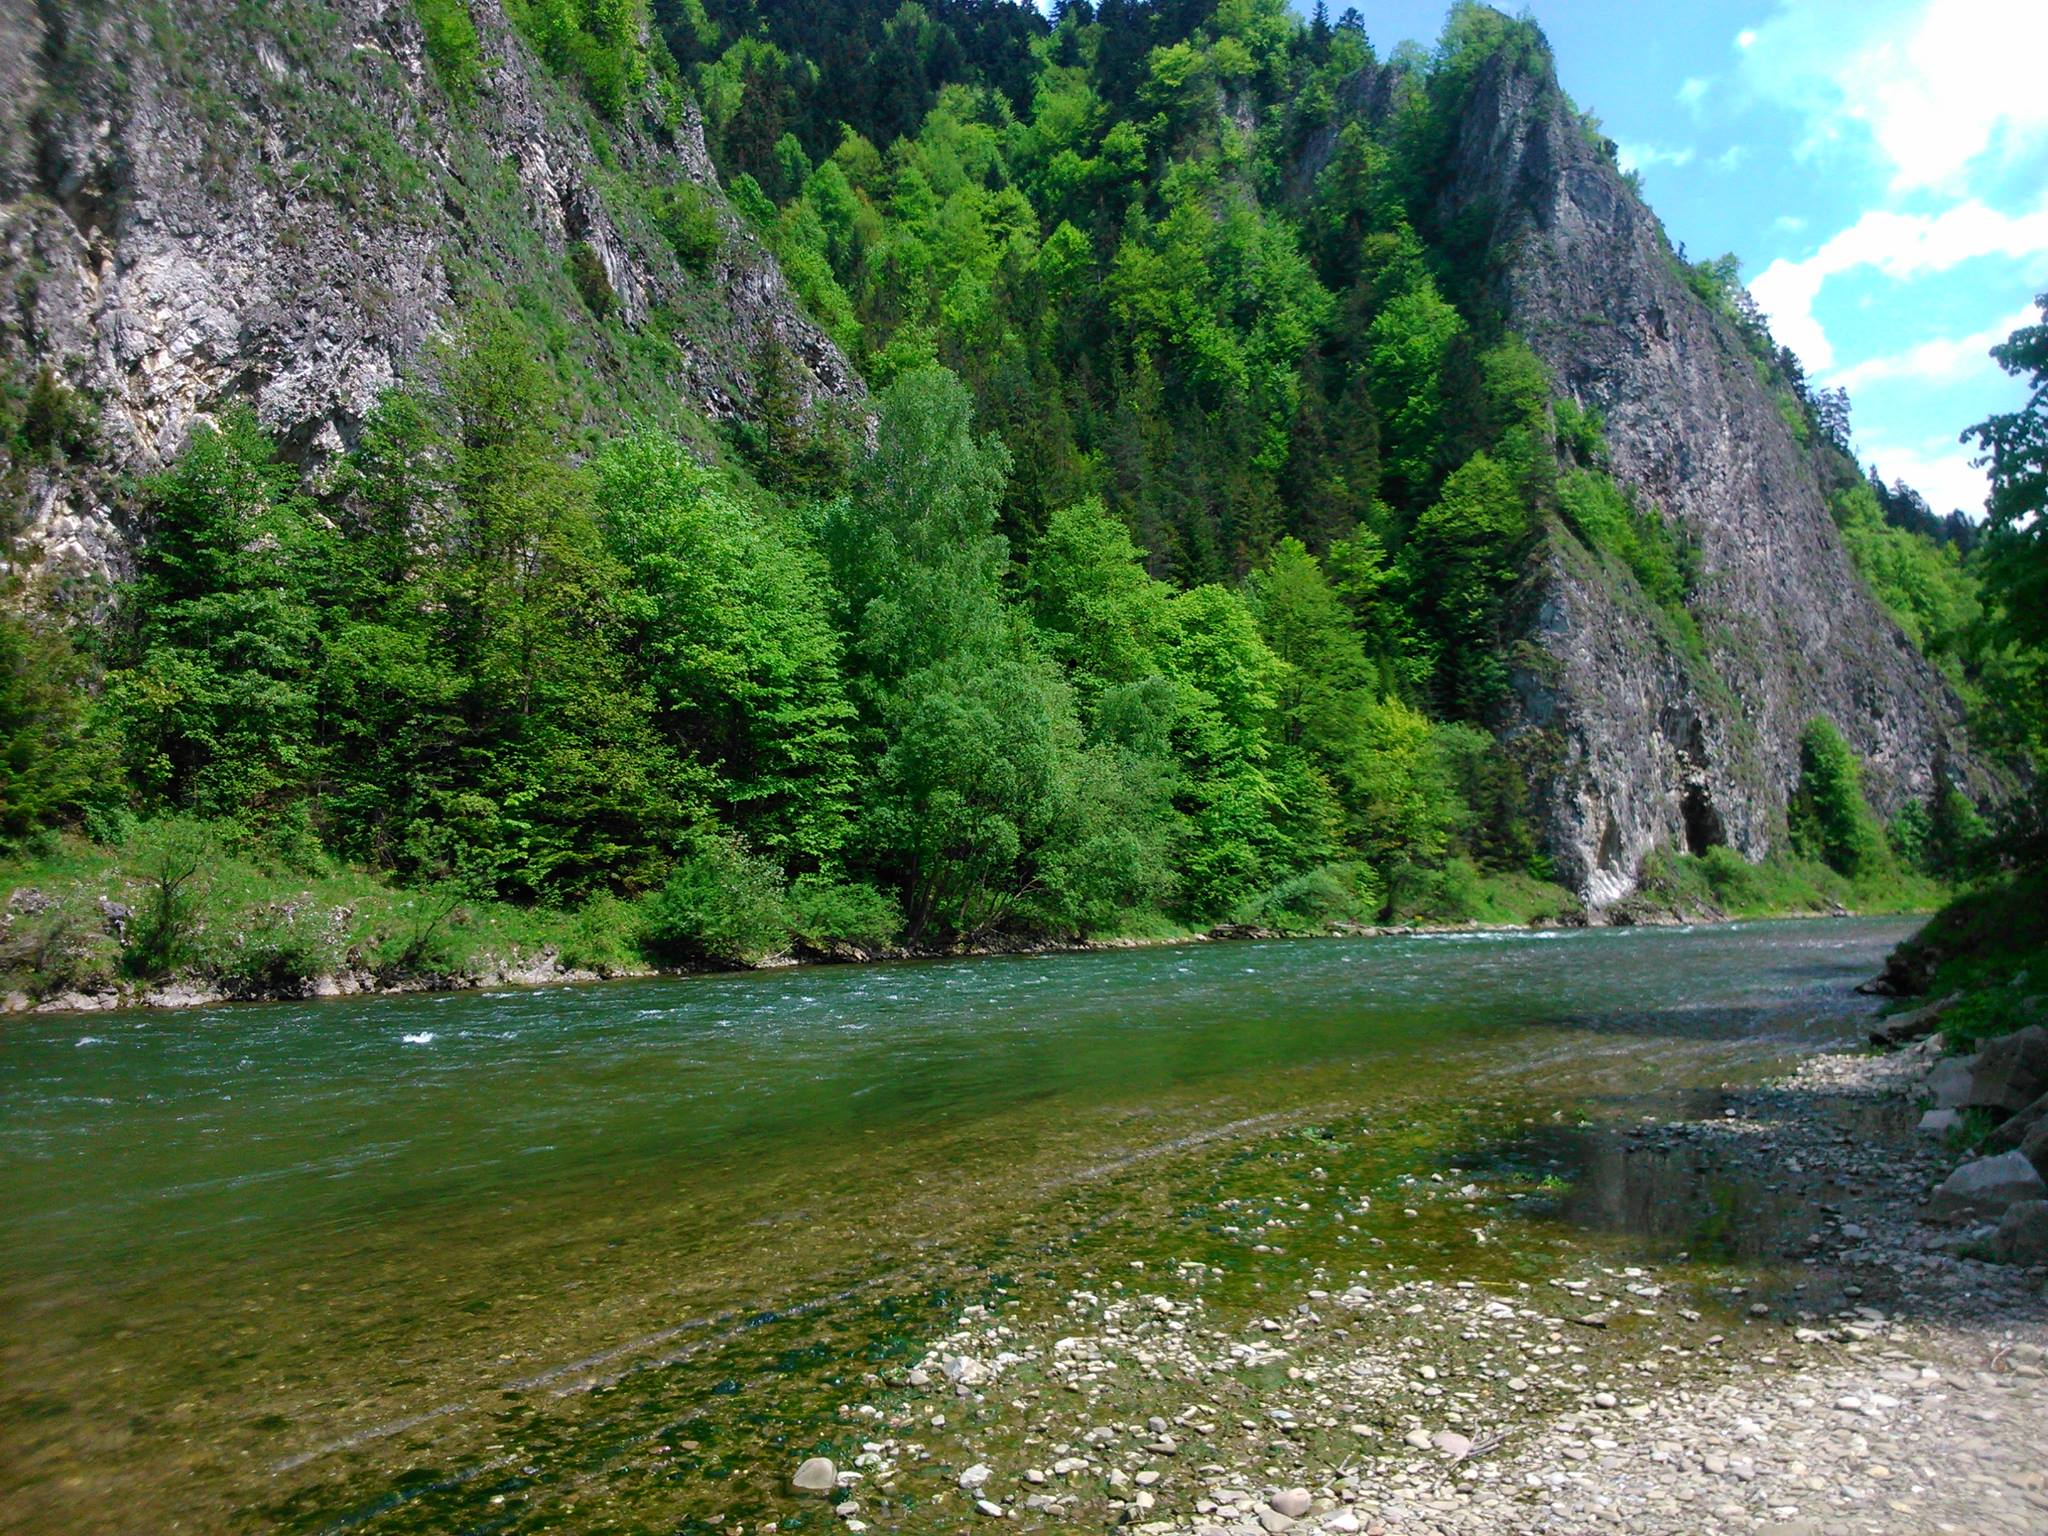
1642, 740
203, 203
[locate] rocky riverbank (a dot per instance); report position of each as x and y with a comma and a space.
1878, 1375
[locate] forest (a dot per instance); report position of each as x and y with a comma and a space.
1165, 587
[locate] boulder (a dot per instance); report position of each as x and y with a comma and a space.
1905, 1028
1939, 1122
1980, 1190
1949, 1082
2011, 1071
2022, 1236
817, 1475
2034, 1147
1291, 1502
2013, 1129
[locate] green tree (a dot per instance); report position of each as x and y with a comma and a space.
53, 765
730, 628
214, 688
1830, 820
1461, 558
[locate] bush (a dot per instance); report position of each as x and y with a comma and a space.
593, 283
688, 219
49, 946
1317, 899
600, 937
1829, 818
451, 45
278, 947
178, 860
56, 422
822, 912
723, 905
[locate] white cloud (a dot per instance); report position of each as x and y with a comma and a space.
1790, 223
1643, 157
1730, 158
1898, 245
1941, 473
1746, 38
1942, 360
1934, 86
1692, 96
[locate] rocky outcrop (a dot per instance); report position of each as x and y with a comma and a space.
203, 203
1647, 742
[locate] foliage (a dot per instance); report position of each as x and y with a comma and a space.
593, 284
722, 905
595, 42
1830, 820
451, 43
823, 912
54, 767
1921, 583
688, 221
53, 423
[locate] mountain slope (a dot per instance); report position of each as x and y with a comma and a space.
1373, 505
1653, 747
206, 201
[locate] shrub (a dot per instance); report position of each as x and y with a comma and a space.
1318, 898
593, 283
53, 945
277, 947
57, 423
688, 219
600, 936
1829, 818
451, 45
178, 858
723, 904
822, 912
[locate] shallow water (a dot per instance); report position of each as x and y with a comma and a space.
475, 1261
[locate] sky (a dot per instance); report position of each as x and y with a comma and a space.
1879, 166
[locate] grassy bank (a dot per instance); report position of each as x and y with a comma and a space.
1721, 883
181, 911
1990, 945
178, 905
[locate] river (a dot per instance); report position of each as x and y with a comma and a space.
609, 1257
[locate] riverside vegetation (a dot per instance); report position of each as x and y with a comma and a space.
1164, 586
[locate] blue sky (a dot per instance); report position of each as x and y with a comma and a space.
1880, 167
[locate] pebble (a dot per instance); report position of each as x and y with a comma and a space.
1902, 1394
817, 1475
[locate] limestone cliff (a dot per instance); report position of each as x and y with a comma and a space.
1640, 741
203, 202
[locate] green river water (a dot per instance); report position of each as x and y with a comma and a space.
483, 1262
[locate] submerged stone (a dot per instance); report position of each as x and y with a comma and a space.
817, 1475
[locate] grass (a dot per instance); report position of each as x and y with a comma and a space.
1459, 891
1721, 880
179, 900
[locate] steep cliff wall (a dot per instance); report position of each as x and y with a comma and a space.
1648, 744
203, 201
